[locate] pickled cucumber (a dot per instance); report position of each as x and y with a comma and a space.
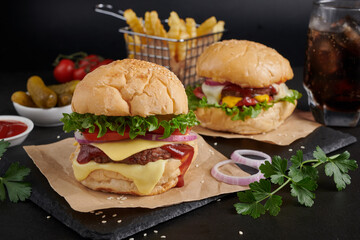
63, 88
23, 99
64, 99
43, 96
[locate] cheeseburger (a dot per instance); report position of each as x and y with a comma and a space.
244, 89
132, 127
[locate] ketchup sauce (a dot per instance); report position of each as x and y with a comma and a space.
185, 154
10, 128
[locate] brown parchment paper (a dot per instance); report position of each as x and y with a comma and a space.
53, 161
298, 125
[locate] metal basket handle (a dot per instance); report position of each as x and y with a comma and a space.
108, 9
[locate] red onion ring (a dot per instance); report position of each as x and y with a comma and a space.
173, 138
232, 179
237, 157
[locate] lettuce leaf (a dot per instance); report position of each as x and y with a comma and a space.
138, 125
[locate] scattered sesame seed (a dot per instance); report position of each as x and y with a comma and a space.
103, 216
155, 231
251, 136
279, 134
98, 213
290, 150
110, 198
215, 143
163, 236
197, 165
241, 232
219, 200
211, 152
145, 234
285, 134
131, 238
103, 221
302, 147
58, 137
92, 212
119, 221
202, 181
114, 215
48, 217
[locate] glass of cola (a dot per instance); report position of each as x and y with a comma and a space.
332, 65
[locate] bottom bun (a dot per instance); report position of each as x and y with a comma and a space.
216, 119
109, 181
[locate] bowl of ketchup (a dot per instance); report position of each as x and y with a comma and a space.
15, 129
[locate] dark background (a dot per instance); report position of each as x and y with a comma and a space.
34, 32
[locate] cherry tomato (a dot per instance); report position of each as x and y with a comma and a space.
198, 92
109, 136
63, 72
80, 73
90, 60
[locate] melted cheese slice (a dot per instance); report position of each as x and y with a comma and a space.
145, 177
282, 91
212, 93
118, 151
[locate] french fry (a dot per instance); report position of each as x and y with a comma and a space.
174, 32
181, 47
191, 30
148, 25
133, 21
158, 28
219, 27
206, 27
133, 45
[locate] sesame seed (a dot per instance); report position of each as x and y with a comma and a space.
163, 236
302, 147
103, 216
110, 198
202, 181
114, 215
241, 232
219, 200
285, 135
215, 143
279, 134
119, 221
58, 137
131, 238
290, 150
98, 213
197, 165
92, 212
155, 231
103, 221
48, 217
145, 234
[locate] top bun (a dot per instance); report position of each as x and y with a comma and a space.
245, 63
130, 87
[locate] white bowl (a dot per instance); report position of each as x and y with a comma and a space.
18, 139
42, 117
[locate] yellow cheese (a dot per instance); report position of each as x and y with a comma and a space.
212, 93
262, 98
231, 101
120, 150
145, 177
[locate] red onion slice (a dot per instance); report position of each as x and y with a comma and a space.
213, 83
237, 157
173, 138
242, 181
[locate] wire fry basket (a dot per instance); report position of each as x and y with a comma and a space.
178, 55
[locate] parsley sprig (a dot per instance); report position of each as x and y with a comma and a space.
302, 177
137, 125
12, 180
238, 113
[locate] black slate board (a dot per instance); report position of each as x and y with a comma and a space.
135, 220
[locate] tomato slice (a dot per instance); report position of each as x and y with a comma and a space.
109, 136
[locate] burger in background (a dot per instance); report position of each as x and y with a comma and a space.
133, 129
244, 90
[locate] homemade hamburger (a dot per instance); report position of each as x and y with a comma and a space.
132, 125
244, 89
